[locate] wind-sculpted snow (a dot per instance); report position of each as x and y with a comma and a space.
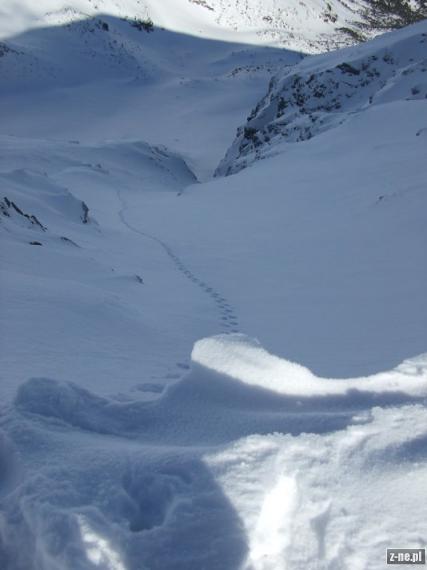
235, 389
323, 92
246, 361
161, 494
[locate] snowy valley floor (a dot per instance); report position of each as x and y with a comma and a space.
142, 426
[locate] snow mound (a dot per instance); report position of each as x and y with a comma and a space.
244, 359
69, 403
35, 192
235, 389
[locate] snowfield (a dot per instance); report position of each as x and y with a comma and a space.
208, 372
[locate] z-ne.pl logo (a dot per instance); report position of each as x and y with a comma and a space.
406, 556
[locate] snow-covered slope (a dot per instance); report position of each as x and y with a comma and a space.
141, 425
309, 25
323, 92
324, 241
48, 191
102, 78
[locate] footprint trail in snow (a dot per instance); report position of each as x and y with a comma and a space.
226, 315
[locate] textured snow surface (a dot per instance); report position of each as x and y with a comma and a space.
190, 481
142, 426
249, 363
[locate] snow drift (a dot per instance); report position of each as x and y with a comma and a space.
142, 500
245, 360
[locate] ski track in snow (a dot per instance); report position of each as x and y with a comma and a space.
226, 314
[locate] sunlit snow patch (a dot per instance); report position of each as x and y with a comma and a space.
271, 535
333, 500
98, 549
244, 359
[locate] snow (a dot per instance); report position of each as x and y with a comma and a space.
343, 496
251, 364
151, 493
207, 372
306, 245
140, 72
309, 25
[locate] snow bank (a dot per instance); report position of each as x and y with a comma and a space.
244, 359
234, 389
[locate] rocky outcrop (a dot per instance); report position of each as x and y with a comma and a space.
322, 92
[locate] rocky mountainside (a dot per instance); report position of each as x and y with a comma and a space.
322, 92
304, 25
308, 25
